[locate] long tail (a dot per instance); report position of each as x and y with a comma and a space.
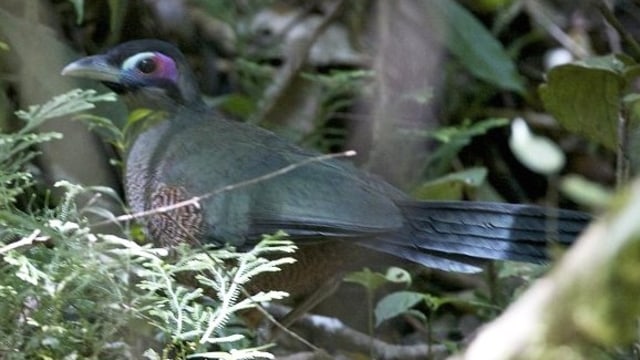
453, 236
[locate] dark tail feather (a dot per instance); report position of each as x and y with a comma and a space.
454, 235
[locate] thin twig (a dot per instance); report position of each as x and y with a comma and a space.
279, 325
622, 153
333, 333
537, 13
611, 19
25, 241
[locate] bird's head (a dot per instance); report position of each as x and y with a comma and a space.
148, 73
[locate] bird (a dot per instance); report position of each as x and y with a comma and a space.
337, 214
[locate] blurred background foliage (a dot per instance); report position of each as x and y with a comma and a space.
425, 92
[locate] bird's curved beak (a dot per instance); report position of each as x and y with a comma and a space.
93, 67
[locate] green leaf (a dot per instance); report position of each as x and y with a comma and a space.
367, 278
117, 11
398, 275
26, 270
585, 97
618, 63
78, 6
454, 139
74, 101
239, 105
585, 192
452, 186
465, 132
474, 46
395, 304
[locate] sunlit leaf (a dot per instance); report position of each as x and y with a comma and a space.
585, 192
537, 153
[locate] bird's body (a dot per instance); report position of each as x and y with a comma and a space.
328, 207
169, 154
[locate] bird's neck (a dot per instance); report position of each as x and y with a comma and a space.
160, 100
142, 118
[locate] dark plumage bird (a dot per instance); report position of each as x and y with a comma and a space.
329, 208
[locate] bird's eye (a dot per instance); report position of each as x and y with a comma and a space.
150, 64
146, 66
144, 62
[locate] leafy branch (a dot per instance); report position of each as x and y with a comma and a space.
77, 296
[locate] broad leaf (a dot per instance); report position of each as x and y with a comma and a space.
585, 97
474, 46
395, 304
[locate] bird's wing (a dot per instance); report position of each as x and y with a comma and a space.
328, 198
